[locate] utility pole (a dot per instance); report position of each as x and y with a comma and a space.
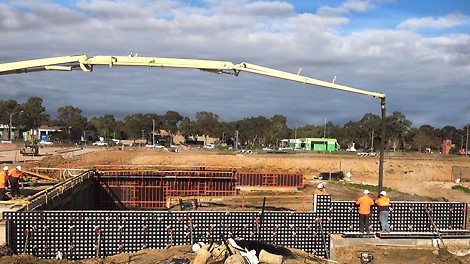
236, 139
466, 143
372, 144
10, 126
324, 130
153, 132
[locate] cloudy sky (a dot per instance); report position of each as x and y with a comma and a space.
416, 52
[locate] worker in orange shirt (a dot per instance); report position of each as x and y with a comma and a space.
383, 207
320, 190
365, 203
14, 177
3, 182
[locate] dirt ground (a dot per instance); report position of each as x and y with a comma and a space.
425, 175
417, 177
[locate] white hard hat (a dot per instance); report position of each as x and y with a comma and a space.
320, 186
18, 168
366, 191
5, 168
383, 193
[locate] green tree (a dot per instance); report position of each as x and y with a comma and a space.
71, 120
397, 129
135, 124
33, 115
106, 126
206, 123
279, 129
170, 121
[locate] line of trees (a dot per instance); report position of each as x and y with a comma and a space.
252, 132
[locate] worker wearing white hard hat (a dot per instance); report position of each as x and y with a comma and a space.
365, 203
320, 190
14, 177
3, 182
383, 207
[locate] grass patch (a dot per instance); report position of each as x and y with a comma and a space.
371, 188
458, 187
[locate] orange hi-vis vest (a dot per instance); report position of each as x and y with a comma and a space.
364, 202
383, 203
319, 191
16, 174
3, 179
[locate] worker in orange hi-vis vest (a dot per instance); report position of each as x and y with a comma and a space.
383, 207
14, 177
3, 182
365, 203
320, 190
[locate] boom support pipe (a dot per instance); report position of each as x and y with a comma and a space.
383, 136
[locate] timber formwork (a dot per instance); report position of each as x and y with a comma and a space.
87, 234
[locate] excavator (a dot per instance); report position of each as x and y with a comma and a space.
31, 147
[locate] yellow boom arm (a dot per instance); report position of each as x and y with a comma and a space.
85, 63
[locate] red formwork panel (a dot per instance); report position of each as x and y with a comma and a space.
270, 179
151, 189
148, 188
127, 193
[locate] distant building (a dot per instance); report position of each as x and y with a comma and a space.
312, 144
42, 133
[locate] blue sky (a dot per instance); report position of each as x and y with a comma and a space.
416, 52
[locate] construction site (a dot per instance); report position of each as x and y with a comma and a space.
151, 206
114, 205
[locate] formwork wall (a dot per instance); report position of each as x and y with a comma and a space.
270, 179
87, 234
342, 216
150, 189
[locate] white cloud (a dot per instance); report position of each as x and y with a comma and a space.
449, 21
405, 65
347, 7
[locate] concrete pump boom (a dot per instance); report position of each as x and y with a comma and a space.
85, 63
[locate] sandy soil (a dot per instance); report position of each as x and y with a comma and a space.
424, 175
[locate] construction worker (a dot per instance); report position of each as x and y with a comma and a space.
320, 190
365, 203
383, 207
14, 177
3, 182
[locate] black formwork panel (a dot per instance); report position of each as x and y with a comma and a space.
404, 216
89, 234
342, 216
